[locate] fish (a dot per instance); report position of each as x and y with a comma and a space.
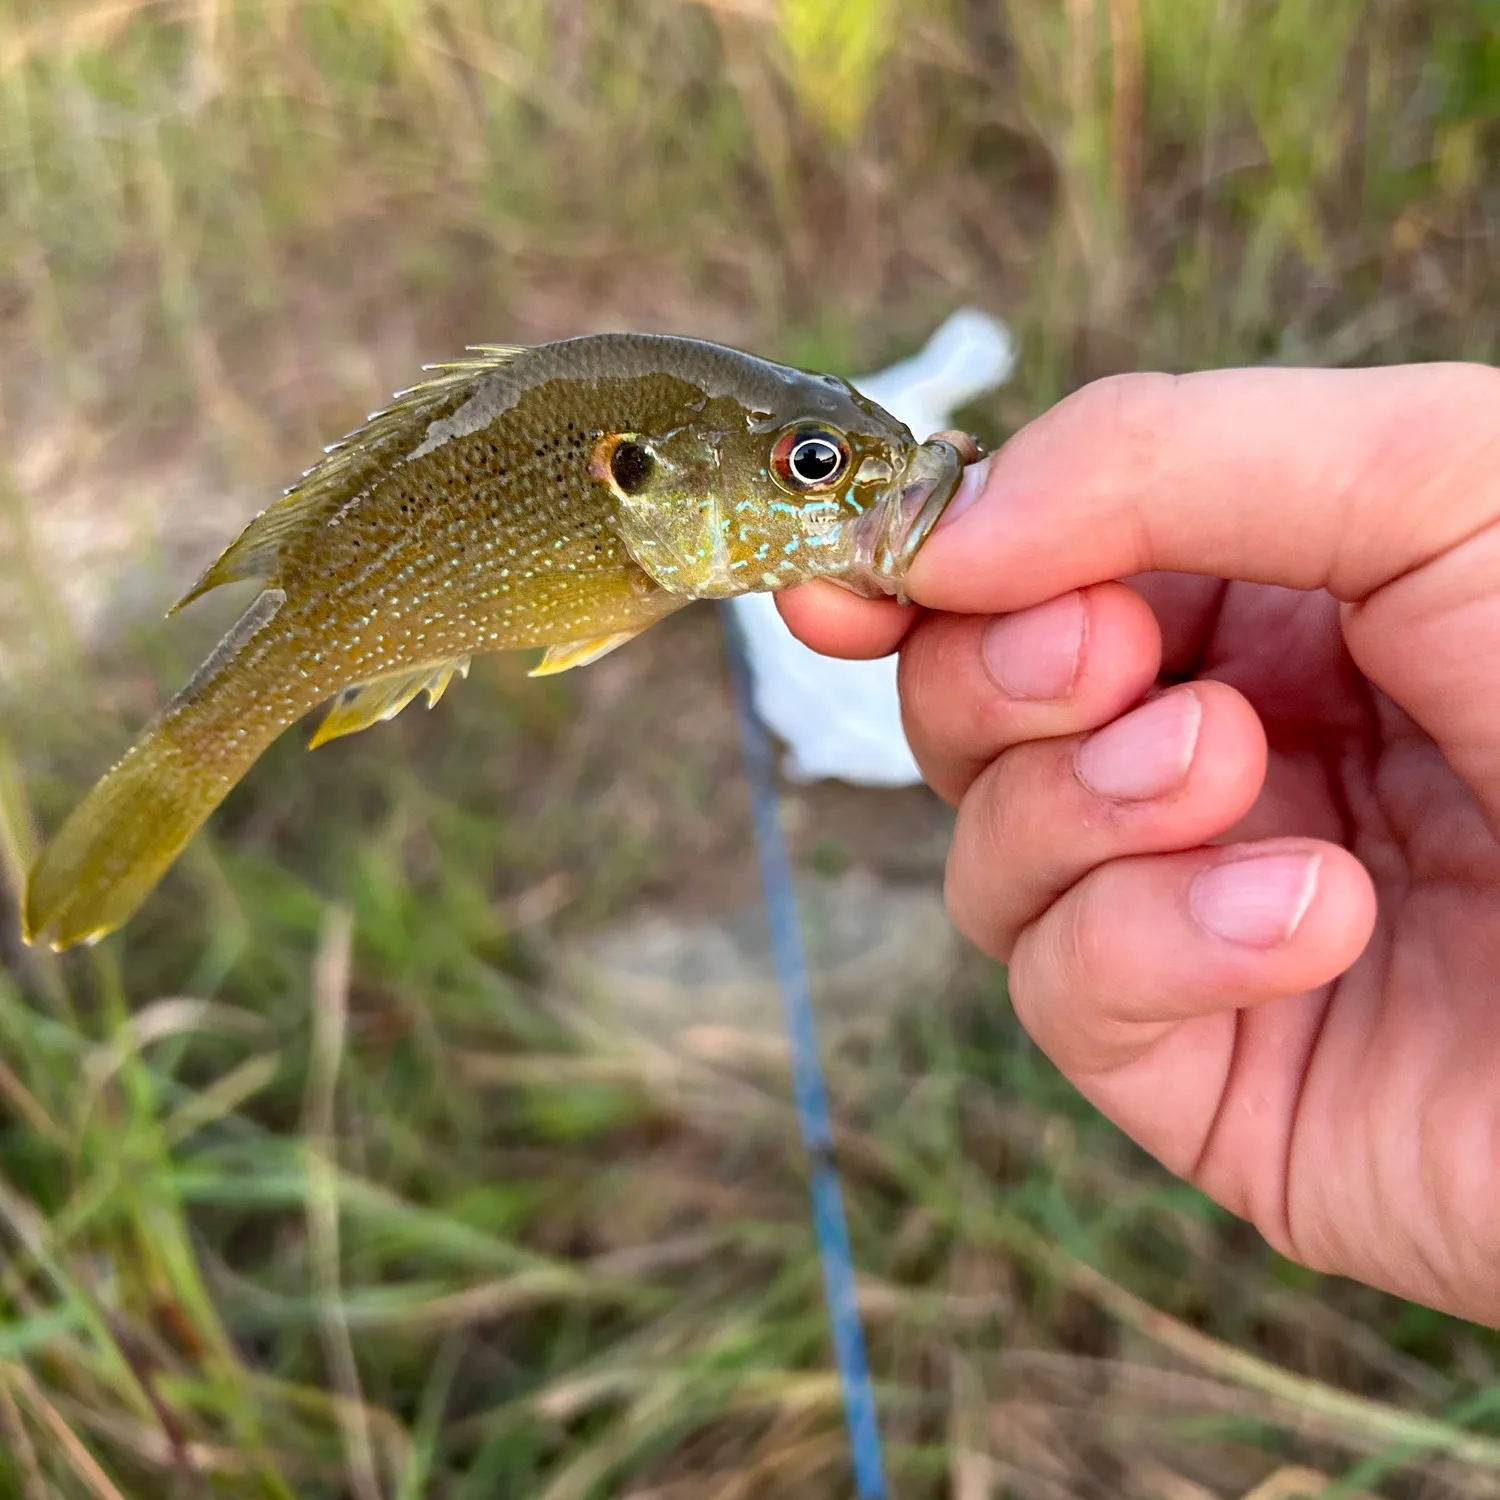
564, 495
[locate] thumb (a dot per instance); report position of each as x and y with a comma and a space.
1381, 486
1336, 479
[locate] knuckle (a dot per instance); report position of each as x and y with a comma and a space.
924, 675
1126, 423
1457, 429
1002, 871
975, 885
999, 812
1128, 410
957, 720
966, 909
955, 725
1059, 968
1079, 942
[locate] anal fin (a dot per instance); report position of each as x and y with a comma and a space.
437, 683
383, 698
569, 654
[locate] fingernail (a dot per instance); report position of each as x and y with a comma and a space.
970, 487
1257, 901
1034, 653
1147, 753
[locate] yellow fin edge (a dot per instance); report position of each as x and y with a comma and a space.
383, 698
569, 654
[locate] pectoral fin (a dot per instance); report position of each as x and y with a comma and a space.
370, 703
569, 654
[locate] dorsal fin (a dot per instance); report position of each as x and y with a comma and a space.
348, 467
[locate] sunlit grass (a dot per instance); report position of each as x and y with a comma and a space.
321, 1179
1189, 178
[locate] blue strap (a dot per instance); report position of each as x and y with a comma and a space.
807, 1076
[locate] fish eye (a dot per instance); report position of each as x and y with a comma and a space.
807, 459
630, 467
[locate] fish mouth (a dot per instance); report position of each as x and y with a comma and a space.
890, 534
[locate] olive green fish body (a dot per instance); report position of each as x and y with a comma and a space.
567, 496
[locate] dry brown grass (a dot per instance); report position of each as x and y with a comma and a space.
390, 1222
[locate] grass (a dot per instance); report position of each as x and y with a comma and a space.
322, 1179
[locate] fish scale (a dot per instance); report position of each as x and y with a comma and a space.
566, 496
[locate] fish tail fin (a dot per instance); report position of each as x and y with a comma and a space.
119, 841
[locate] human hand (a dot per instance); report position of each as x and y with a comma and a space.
1255, 918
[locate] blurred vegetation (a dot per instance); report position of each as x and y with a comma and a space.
321, 1180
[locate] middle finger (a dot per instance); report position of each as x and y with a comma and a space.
973, 686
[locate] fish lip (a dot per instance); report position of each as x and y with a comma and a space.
888, 536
